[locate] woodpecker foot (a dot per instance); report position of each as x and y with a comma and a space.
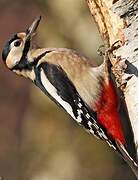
118, 70
108, 54
101, 50
107, 66
117, 44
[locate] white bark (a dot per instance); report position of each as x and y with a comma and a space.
129, 54
118, 20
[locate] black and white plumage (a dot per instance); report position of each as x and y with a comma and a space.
73, 83
54, 82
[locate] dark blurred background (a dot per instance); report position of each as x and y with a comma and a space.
38, 141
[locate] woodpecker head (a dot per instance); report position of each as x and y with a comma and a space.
16, 50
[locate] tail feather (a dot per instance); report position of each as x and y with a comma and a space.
128, 159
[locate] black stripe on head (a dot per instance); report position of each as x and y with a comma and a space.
36, 60
42, 55
23, 63
7, 47
25, 51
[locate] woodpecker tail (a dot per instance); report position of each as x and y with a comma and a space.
127, 158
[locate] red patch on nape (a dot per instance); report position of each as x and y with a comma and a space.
107, 113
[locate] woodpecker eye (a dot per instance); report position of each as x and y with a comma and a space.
17, 43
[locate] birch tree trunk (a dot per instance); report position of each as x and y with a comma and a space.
118, 20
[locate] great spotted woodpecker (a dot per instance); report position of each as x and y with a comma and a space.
86, 92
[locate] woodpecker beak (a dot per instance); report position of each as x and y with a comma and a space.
32, 29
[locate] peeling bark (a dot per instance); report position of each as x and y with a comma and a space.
118, 20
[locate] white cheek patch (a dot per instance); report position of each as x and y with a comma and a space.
53, 92
14, 56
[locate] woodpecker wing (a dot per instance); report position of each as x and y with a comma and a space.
54, 82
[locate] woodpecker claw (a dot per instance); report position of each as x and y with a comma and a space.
101, 50
117, 44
